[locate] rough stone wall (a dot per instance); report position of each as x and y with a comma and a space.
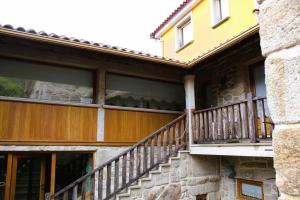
183, 179
228, 74
250, 168
228, 84
280, 43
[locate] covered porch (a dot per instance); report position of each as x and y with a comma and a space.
231, 115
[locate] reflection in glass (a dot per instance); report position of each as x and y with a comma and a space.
28, 179
143, 93
3, 164
45, 82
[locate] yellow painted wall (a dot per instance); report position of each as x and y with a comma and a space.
241, 17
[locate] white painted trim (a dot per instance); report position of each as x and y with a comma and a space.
141, 109
186, 19
225, 9
176, 18
233, 150
27, 100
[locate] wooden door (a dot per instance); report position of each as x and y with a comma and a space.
27, 177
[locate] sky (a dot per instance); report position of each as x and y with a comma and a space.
124, 23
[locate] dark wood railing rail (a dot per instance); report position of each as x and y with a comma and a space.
244, 121
115, 175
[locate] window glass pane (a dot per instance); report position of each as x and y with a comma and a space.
143, 93
45, 82
3, 164
253, 191
218, 10
259, 79
187, 33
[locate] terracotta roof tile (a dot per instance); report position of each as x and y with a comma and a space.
177, 10
85, 42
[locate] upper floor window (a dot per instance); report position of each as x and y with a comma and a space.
184, 32
219, 11
127, 91
25, 79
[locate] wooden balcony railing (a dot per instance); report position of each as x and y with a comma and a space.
243, 121
107, 180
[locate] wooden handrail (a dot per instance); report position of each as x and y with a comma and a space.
140, 159
242, 121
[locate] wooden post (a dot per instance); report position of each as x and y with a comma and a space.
251, 121
53, 171
8, 175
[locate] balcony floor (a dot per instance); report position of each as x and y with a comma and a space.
237, 149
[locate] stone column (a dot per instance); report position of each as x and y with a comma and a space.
280, 42
189, 82
100, 100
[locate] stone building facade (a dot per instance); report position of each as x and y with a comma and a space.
280, 34
248, 168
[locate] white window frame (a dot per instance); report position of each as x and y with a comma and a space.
178, 28
223, 12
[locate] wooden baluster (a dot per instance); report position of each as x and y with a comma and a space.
100, 184
92, 192
74, 193
152, 140
117, 174
83, 189
215, 125
108, 179
251, 118
201, 128
158, 138
171, 131
176, 136
124, 164
182, 136
165, 143
186, 138
225, 123
220, 124
193, 127
196, 133
244, 121
237, 121
210, 126
231, 123
206, 126
131, 164
66, 194
261, 107
145, 163
138, 160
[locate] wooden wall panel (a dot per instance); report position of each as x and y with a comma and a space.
132, 126
23, 121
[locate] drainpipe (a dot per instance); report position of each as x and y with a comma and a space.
189, 86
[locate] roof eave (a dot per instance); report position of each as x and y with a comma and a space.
156, 34
52, 40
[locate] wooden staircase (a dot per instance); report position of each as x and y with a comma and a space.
116, 175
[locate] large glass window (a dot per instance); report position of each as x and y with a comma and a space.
3, 164
45, 82
143, 93
184, 32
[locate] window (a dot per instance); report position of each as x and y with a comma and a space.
201, 197
45, 82
135, 92
219, 11
184, 32
249, 189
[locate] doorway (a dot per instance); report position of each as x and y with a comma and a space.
29, 177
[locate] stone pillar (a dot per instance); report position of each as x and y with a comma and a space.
280, 42
189, 82
100, 100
